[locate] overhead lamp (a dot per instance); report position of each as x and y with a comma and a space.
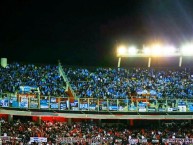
187, 49
121, 50
132, 50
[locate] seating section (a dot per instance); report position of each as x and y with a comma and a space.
44, 77
111, 133
119, 84
104, 83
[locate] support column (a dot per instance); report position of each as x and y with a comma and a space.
0, 129
190, 121
39, 120
119, 62
99, 122
131, 122
159, 123
149, 62
180, 61
69, 121
128, 122
0, 135
10, 118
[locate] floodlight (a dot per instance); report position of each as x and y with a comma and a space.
121, 50
132, 50
146, 50
187, 49
156, 49
168, 50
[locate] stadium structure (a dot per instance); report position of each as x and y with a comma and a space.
132, 95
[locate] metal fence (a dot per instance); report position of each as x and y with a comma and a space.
133, 104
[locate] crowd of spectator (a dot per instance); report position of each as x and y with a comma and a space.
122, 83
100, 82
116, 134
44, 77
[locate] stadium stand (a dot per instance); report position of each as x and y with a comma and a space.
97, 88
88, 132
42, 87
120, 83
25, 78
100, 82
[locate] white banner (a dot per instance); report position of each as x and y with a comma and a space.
38, 139
182, 108
28, 89
24, 102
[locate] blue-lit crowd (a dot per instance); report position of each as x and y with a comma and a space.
99, 82
121, 83
44, 78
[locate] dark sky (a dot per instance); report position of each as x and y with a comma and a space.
86, 32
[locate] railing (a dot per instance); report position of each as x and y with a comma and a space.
62, 73
98, 140
134, 104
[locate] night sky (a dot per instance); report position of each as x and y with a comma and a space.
86, 32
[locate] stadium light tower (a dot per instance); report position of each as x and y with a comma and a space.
120, 52
155, 50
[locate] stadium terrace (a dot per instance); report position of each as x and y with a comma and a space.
60, 103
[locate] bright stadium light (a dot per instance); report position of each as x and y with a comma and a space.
187, 49
147, 51
156, 49
121, 50
132, 50
168, 50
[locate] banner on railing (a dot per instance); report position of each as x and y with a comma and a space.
4, 102
190, 107
28, 89
142, 107
83, 104
38, 139
23, 101
74, 105
34, 101
92, 107
143, 140
133, 141
44, 103
14, 102
182, 106
170, 109
5, 138
54, 103
113, 107
34, 104
178, 140
91, 141
27, 101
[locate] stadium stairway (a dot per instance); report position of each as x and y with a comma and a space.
70, 92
